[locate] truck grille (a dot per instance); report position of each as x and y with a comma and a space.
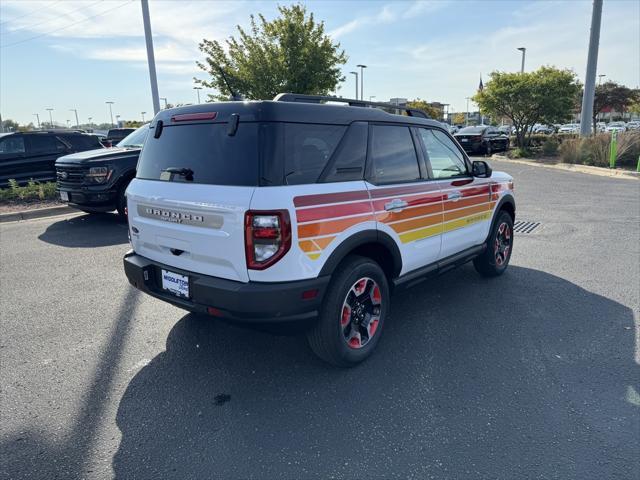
69, 176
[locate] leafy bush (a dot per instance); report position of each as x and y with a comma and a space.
30, 192
595, 150
520, 153
550, 146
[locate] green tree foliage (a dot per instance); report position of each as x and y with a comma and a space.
615, 96
430, 110
545, 96
459, 119
289, 54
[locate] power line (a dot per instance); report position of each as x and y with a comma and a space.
66, 26
27, 27
28, 14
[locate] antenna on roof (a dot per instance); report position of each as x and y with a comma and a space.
234, 95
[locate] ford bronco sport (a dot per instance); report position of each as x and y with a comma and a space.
299, 210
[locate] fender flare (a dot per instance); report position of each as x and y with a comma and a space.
362, 238
506, 199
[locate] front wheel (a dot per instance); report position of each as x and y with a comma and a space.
488, 149
352, 318
495, 259
122, 200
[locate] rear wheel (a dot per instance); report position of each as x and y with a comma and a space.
353, 315
495, 259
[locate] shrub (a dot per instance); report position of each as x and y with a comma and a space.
550, 146
31, 191
595, 150
519, 153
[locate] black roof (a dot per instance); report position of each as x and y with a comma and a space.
288, 111
50, 132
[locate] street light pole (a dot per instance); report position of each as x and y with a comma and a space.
592, 66
362, 67
523, 50
600, 77
38, 118
117, 120
165, 101
110, 111
143, 116
50, 117
90, 124
150, 56
371, 97
197, 89
466, 123
356, 75
76, 112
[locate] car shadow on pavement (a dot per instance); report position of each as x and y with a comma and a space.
523, 376
87, 231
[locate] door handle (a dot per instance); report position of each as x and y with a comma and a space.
454, 196
395, 205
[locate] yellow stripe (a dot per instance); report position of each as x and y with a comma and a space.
442, 228
463, 222
313, 256
422, 233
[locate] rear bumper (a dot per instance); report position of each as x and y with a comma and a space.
252, 302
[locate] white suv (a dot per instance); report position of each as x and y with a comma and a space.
297, 211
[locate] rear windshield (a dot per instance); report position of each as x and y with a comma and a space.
206, 150
472, 130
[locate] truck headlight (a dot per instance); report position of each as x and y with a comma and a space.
98, 175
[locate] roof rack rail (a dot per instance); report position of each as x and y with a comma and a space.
295, 97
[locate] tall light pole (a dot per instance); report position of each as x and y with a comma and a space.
118, 121
523, 50
362, 67
356, 74
592, 66
466, 123
38, 118
110, 111
165, 101
600, 77
143, 116
76, 112
90, 124
50, 117
150, 56
68, 123
197, 89
371, 97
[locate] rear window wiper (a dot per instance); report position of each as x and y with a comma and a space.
187, 173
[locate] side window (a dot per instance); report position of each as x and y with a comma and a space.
307, 149
347, 163
12, 144
445, 158
393, 154
42, 144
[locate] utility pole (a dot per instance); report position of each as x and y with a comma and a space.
76, 112
592, 66
50, 117
362, 67
356, 75
38, 118
197, 89
523, 50
150, 56
110, 111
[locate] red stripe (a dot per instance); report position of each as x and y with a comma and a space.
475, 191
413, 200
390, 192
320, 213
324, 198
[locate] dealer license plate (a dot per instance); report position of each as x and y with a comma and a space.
64, 196
175, 283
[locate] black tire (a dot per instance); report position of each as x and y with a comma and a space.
494, 261
488, 149
121, 205
327, 336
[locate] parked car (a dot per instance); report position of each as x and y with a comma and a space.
543, 129
28, 156
452, 129
569, 128
482, 139
297, 212
506, 129
616, 127
115, 135
95, 181
601, 127
633, 125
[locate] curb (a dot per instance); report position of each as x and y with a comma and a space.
568, 167
36, 213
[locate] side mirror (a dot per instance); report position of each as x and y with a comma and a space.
481, 169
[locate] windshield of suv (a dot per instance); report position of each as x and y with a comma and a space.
468, 130
135, 139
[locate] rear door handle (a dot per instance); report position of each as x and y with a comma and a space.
396, 205
455, 196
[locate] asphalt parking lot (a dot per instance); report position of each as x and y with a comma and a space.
532, 375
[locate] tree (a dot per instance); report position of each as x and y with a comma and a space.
458, 119
427, 108
289, 54
544, 96
614, 96
9, 125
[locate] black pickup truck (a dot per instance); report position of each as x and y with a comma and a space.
95, 181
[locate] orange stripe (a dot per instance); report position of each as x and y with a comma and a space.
325, 228
467, 211
387, 217
315, 245
465, 202
416, 223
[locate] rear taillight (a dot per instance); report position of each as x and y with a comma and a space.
267, 237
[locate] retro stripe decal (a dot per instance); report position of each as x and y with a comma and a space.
322, 217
